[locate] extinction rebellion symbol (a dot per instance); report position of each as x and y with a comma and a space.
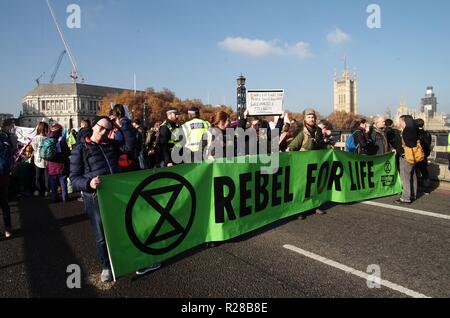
160, 213
387, 180
387, 167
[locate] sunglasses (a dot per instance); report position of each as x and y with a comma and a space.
103, 128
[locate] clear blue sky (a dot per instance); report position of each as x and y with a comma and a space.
198, 47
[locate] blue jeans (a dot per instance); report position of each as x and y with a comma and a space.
93, 210
53, 180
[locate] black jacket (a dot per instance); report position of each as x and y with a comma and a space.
365, 145
164, 144
129, 137
425, 141
394, 139
90, 160
410, 134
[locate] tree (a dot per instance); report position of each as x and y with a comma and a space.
158, 104
342, 120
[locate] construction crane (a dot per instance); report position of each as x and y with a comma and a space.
52, 79
55, 71
74, 75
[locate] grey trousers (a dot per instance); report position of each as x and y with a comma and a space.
409, 180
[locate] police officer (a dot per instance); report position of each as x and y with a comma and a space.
193, 132
167, 133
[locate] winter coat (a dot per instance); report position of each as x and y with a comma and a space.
36, 144
90, 160
60, 165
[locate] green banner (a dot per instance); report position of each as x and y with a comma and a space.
150, 216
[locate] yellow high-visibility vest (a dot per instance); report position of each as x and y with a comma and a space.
193, 131
173, 132
448, 148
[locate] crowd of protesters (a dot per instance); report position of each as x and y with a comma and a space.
58, 161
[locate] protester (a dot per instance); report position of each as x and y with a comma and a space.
84, 131
71, 139
57, 168
151, 151
360, 133
262, 131
8, 146
394, 139
24, 171
217, 137
393, 136
285, 137
422, 167
381, 145
126, 135
97, 156
140, 140
410, 140
41, 177
168, 136
328, 138
311, 138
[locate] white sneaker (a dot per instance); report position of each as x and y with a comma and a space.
8, 233
151, 268
36, 193
106, 276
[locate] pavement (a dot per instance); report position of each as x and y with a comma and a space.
328, 255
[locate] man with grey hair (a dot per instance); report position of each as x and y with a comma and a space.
378, 136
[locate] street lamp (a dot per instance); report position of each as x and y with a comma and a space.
241, 96
241, 80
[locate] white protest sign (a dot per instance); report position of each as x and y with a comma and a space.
265, 102
24, 134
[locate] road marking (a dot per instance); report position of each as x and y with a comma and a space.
355, 272
404, 209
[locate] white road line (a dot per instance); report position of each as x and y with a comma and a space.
404, 209
355, 272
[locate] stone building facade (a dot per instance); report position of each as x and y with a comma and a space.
346, 93
66, 104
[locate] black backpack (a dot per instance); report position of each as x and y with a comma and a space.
425, 142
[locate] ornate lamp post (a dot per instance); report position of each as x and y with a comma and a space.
241, 96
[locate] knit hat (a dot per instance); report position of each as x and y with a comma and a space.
55, 127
